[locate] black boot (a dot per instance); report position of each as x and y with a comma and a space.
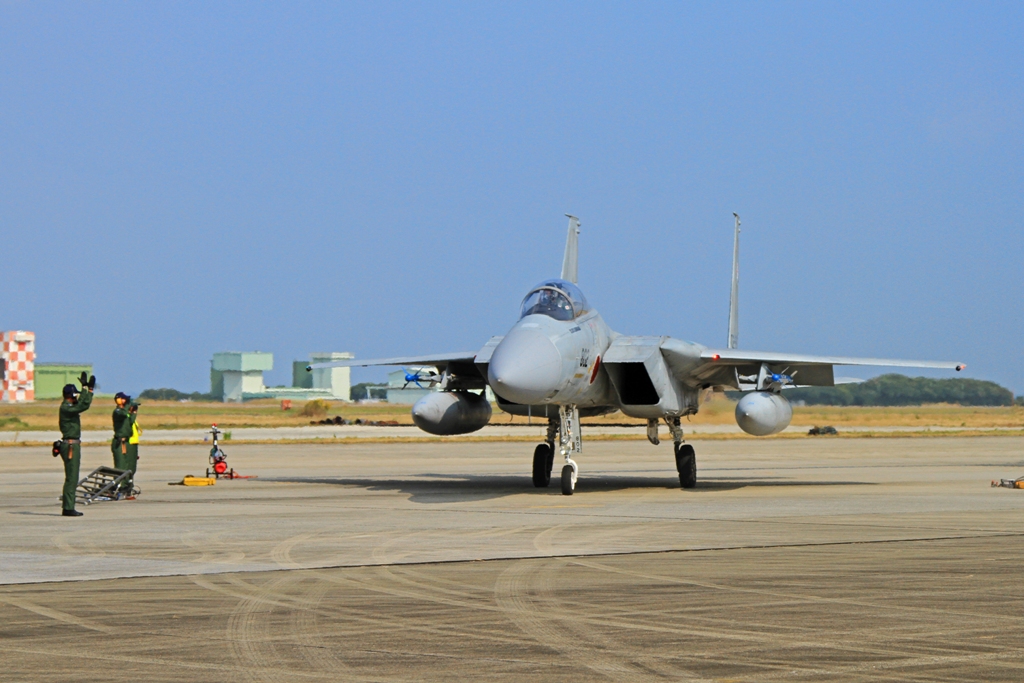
71, 513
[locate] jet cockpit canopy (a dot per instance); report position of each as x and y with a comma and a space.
558, 299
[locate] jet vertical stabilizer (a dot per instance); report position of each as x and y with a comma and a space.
570, 264
734, 298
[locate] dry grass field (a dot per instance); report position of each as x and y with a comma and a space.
267, 413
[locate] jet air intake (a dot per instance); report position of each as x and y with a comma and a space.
447, 413
762, 413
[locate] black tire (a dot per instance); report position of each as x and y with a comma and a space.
551, 458
542, 459
567, 485
686, 465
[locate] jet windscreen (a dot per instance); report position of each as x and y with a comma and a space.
556, 299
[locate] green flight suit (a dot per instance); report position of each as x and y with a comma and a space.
122, 432
71, 451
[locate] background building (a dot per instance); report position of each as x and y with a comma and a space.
338, 381
17, 358
238, 376
51, 377
234, 374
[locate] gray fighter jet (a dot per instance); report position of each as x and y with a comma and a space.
561, 361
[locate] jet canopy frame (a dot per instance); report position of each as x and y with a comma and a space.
558, 299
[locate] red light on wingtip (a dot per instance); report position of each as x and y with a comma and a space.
716, 357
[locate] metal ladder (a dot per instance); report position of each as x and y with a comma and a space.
104, 483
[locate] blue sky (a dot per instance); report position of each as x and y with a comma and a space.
179, 179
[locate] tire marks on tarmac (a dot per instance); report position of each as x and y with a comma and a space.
523, 592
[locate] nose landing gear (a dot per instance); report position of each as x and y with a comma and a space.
570, 441
569, 473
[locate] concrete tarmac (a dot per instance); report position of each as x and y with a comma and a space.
831, 559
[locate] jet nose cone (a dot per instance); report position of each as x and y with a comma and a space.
525, 367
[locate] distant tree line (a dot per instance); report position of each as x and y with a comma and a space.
175, 395
900, 390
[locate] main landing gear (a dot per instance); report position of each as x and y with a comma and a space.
544, 457
686, 458
567, 429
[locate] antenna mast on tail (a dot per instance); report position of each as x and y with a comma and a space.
570, 264
734, 299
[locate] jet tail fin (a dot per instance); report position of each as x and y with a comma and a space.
570, 263
734, 298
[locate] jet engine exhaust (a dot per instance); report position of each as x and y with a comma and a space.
762, 413
447, 413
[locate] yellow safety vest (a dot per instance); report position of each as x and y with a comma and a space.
134, 438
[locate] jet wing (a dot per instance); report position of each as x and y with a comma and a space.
439, 360
459, 369
737, 369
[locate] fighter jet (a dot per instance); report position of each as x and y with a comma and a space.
561, 361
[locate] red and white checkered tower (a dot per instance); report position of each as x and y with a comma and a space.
19, 355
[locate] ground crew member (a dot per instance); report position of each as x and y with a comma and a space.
74, 404
132, 457
123, 420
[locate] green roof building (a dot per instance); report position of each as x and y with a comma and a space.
50, 378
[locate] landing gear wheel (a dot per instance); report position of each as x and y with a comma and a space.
568, 480
543, 456
686, 465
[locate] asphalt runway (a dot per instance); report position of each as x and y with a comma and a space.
832, 559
